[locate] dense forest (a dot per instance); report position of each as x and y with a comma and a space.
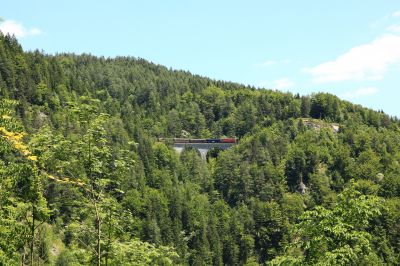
313, 180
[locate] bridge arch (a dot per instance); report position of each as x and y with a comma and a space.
180, 150
213, 152
203, 148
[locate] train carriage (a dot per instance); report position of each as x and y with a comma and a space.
213, 140
197, 141
180, 140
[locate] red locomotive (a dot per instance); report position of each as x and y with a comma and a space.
228, 140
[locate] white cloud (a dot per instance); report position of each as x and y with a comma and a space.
267, 63
396, 14
16, 28
365, 62
282, 83
360, 93
278, 84
395, 28
383, 21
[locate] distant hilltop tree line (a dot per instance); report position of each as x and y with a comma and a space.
84, 179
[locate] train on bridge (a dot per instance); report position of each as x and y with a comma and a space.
186, 140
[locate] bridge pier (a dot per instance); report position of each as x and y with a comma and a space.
203, 148
179, 150
203, 153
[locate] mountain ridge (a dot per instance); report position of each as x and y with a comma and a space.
83, 180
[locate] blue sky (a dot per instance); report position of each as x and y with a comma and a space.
349, 48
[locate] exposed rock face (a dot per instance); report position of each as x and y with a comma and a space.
319, 124
303, 188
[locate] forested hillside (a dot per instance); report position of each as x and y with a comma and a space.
84, 181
